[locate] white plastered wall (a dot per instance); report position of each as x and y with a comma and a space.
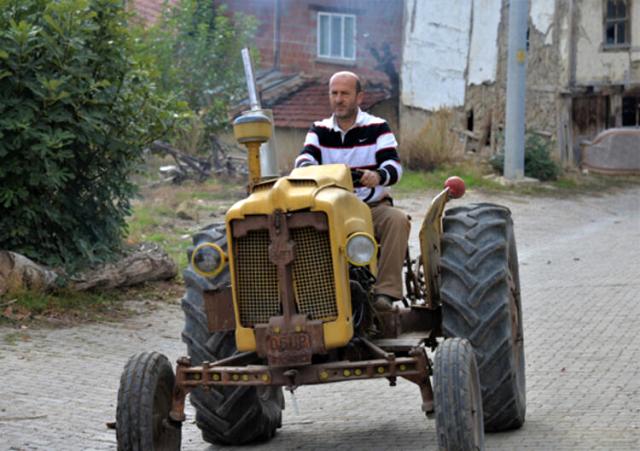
436, 45
541, 13
595, 65
483, 51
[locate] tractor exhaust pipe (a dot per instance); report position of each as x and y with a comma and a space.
251, 80
267, 163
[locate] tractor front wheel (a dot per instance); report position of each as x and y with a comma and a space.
144, 402
457, 397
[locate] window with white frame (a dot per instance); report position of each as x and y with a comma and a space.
616, 24
337, 36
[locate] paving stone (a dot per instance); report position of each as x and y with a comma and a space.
580, 271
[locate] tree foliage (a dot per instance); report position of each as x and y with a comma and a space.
195, 48
76, 109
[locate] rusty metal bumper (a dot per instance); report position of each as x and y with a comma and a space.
415, 368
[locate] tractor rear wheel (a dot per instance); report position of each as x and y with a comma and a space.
226, 415
457, 397
144, 402
480, 292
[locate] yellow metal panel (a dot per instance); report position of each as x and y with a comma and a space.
325, 189
327, 174
245, 339
430, 235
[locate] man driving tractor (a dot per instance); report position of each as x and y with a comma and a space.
364, 142
278, 297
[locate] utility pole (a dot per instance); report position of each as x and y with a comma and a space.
516, 89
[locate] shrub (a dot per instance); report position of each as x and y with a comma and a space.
76, 109
434, 145
537, 159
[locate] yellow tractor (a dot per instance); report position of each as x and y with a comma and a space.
280, 296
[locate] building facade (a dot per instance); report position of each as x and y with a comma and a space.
319, 37
303, 42
583, 69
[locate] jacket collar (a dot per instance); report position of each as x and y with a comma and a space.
360, 119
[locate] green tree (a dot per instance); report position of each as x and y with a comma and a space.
195, 48
76, 109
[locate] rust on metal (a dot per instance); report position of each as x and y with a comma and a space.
422, 378
180, 390
248, 224
377, 351
286, 337
411, 368
289, 343
219, 309
303, 219
271, 262
295, 220
281, 254
243, 358
398, 321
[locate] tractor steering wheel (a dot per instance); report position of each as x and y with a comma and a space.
356, 175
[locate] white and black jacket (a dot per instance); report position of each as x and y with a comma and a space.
368, 144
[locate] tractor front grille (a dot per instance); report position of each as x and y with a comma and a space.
313, 282
257, 277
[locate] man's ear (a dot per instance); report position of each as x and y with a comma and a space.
360, 97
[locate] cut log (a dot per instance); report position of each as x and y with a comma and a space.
148, 263
18, 273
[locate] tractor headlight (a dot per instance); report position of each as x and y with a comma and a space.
208, 259
361, 247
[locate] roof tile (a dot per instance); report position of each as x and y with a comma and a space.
311, 103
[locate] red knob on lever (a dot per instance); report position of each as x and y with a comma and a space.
456, 186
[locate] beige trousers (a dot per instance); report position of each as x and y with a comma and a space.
391, 227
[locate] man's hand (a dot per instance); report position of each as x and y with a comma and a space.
370, 179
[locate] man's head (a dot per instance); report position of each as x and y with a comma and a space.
345, 95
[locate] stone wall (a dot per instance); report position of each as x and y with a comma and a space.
567, 70
485, 103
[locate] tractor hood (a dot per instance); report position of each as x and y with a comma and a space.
325, 189
300, 190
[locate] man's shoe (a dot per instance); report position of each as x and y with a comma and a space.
383, 303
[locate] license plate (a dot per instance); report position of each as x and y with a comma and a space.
289, 349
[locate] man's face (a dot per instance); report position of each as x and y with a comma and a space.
343, 98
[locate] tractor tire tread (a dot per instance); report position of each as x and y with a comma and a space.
475, 290
455, 372
143, 375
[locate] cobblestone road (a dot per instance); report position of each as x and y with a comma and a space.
580, 270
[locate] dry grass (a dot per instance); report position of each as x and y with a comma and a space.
169, 214
435, 144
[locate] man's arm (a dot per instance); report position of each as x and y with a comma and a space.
310, 153
389, 169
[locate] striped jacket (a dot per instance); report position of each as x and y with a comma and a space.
368, 144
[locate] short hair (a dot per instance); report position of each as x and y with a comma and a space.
346, 73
